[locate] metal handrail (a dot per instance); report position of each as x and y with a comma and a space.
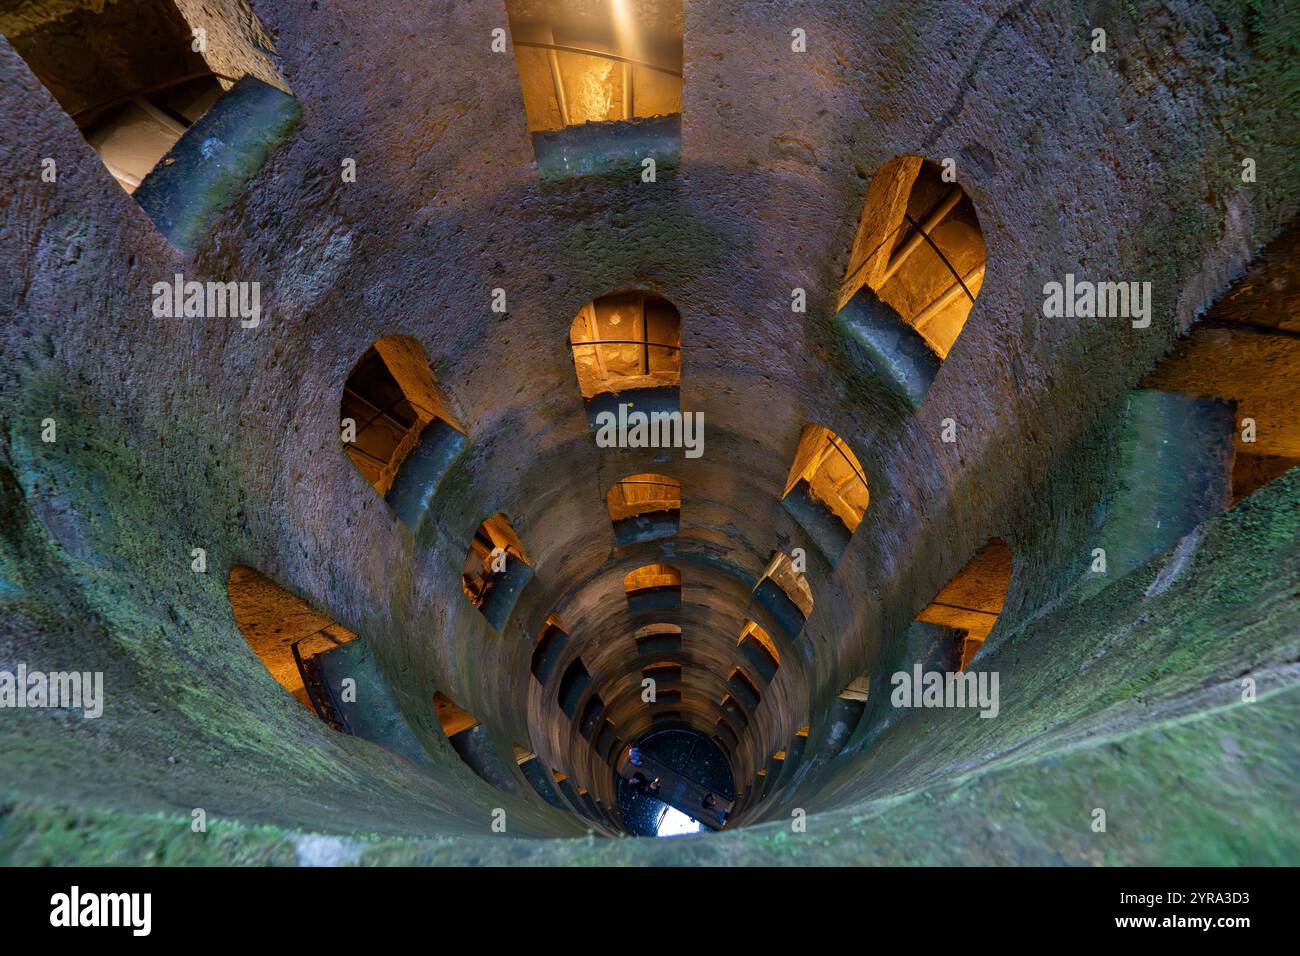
618, 58
653, 345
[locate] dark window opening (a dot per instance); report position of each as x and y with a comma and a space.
743, 689
760, 650
473, 743
734, 712
572, 684
847, 711
1246, 352
538, 778
663, 673
549, 647
592, 712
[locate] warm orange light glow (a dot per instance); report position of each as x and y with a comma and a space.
453, 718
833, 474
973, 599
643, 494
794, 583
920, 248
751, 629
652, 576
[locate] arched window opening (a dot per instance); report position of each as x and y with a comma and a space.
496, 570
785, 593
826, 491
627, 350
396, 427
757, 647
654, 639
1246, 353
472, 742
645, 507
132, 77
653, 587
920, 248
601, 83
293, 641
972, 601
550, 645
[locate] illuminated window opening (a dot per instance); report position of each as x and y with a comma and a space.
651, 576
826, 491
627, 342
496, 570
473, 743
1233, 355
920, 248
645, 507
128, 74
653, 587
396, 427
453, 718
972, 601
288, 635
599, 80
